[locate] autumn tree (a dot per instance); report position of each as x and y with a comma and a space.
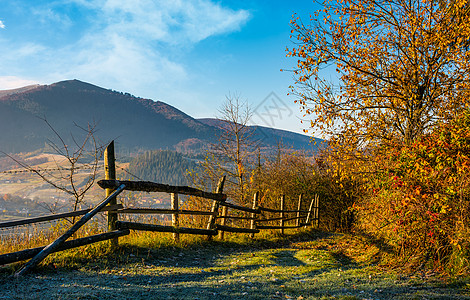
396, 117
401, 65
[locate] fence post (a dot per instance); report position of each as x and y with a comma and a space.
253, 215
223, 221
175, 216
309, 212
299, 207
110, 174
282, 213
215, 207
317, 208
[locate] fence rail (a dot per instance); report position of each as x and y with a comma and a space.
57, 243
55, 217
30, 253
241, 208
161, 228
163, 211
147, 186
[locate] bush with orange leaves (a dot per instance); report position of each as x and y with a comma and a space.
420, 203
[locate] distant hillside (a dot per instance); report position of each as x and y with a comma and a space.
135, 123
271, 136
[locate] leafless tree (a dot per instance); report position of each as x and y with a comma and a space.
83, 154
232, 155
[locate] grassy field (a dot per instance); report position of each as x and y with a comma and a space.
301, 265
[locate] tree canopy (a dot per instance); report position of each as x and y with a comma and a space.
402, 66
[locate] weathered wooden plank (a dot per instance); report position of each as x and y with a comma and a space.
29, 253
147, 186
54, 245
281, 221
110, 174
160, 228
279, 227
54, 217
235, 218
278, 210
299, 207
163, 211
223, 220
316, 210
277, 219
236, 229
238, 207
310, 211
174, 216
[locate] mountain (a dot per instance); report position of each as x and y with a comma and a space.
135, 123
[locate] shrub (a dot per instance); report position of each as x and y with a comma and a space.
420, 201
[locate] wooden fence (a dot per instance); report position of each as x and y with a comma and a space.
256, 215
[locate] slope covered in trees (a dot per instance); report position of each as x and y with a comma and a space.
162, 166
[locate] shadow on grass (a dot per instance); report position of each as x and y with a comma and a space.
378, 242
238, 283
342, 259
286, 258
204, 270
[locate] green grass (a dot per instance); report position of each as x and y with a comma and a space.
301, 265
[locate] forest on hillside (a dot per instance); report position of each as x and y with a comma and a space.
162, 166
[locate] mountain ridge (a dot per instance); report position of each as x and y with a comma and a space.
285, 137
18, 90
136, 123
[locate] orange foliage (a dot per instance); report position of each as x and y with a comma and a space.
421, 204
402, 65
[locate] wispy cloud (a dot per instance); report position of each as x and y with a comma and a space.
134, 43
1, 24
131, 45
175, 22
47, 15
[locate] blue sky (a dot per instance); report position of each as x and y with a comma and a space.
189, 54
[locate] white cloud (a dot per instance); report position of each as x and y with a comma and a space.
12, 82
180, 22
133, 43
121, 63
134, 46
1, 24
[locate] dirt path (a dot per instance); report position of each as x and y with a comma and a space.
308, 269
